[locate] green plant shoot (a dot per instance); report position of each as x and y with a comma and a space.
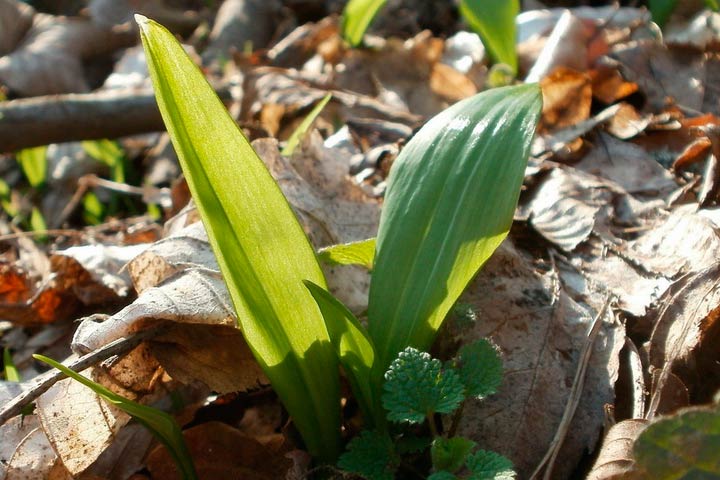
354, 253
263, 253
161, 425
494, 21
357, 17
301, 129
33, 162
450, 201
11, 372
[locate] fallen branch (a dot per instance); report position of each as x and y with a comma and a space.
44, 120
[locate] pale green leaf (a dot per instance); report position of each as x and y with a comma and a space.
356, 18
11, 372
93, 209
352, 345
37, 224
450, 201
110, 153
354, 253
162, 425
682, 446
33, 162
261, 248
301, 129
494, 21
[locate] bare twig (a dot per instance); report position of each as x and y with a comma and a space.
63, 118
43, 382
575, 394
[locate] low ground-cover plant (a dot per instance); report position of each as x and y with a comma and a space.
417, 387
493, 20
450, 201
662, 9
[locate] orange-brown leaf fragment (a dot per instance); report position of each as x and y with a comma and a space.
567, 96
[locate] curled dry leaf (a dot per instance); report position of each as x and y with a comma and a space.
540, 331
616, 459
567, 95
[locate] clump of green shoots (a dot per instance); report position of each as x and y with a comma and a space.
417, 388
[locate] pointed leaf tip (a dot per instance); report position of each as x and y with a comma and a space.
142, 21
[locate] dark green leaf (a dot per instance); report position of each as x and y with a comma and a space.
661, 10
450, 453
480, 368
416, 388
485, 465
370, 455
442, 476
683, 446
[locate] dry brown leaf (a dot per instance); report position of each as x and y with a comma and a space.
615, 459
627, 165
450, 84
609, 86
567, 95
627, 122
24, 449
78, 424
221, 451
540, 331
15, 21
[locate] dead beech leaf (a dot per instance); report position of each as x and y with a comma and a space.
125, 455
540, 331
451, 84
695, 152
689, 311
567, 95
627, 122
78, 424
564, 207
627, 165
221, 451
15, 20
609, 86
22, 450
615, 460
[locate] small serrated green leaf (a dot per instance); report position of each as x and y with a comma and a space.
442, 476
450, 453
371, 455
33, 162
354, 253
495, 23
681, 446
160, 424
356, 18
416, 387
352, 345
11, 372
297, 135
480, 368
487, 465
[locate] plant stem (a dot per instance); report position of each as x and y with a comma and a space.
431, 423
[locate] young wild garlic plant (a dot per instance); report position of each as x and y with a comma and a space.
450, 201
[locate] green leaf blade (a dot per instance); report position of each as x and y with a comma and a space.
263, 253
354, 253
10, 370
162, 425
352, 346
661, 10
495, 23
450, 201
356, 18
416, 387
300, 131
33, 162
449, 454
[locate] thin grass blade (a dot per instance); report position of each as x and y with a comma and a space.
357, 17
260, 246
301, 129
160, 424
